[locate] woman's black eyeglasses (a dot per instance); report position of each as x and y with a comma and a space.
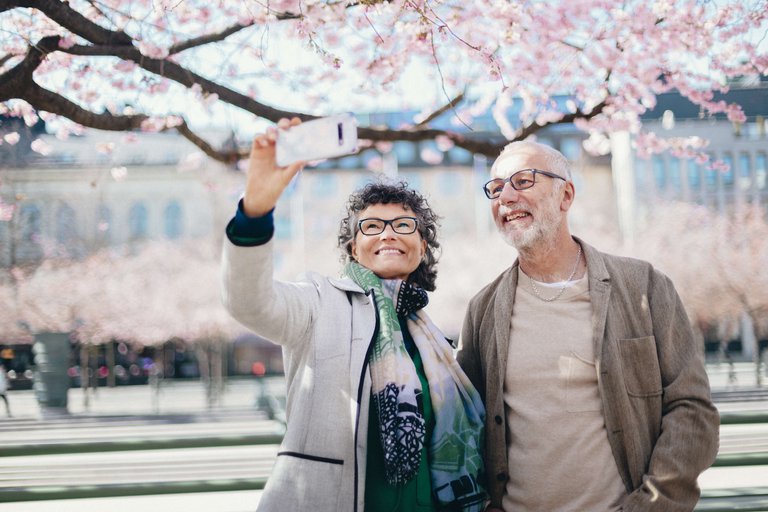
400, 225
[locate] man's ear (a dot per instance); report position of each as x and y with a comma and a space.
569, 194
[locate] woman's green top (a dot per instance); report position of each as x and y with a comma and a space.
416, 494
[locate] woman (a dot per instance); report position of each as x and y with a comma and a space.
380, 417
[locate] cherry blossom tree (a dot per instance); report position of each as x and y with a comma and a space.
143, 296
128, 65
716, 260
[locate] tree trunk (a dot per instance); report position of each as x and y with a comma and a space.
94, 373
85, 375
110, 357
217, 379
203, 363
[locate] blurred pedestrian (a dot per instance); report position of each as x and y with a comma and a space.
594, 384
379, 414
4, 389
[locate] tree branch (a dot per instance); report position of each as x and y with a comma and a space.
532, 128
173, 71
5, 58
207, 39
227, 157
437, 113
69, 18
18, 83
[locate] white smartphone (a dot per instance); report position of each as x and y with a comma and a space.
318, 139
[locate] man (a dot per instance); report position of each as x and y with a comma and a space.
595, 389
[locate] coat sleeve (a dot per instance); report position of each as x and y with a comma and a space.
279, 311
689, 438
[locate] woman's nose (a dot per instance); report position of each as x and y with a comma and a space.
389, 232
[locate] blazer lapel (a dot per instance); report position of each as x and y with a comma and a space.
599, 295
505, 299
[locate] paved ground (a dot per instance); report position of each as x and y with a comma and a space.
136, 411
174, 396
233, 501
189, 396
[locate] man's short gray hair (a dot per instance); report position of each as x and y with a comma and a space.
555, 160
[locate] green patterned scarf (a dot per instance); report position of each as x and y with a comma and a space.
456, 465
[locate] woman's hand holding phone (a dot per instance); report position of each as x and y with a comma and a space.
266, 181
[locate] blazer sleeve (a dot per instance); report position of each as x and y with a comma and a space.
279, 311
689, 438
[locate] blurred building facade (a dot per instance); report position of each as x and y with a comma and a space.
743, 147
100, 190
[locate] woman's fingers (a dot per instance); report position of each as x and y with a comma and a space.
285, 123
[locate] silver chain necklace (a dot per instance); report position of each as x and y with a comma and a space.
562, 290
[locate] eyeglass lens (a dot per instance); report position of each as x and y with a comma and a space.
400, 225
520, 181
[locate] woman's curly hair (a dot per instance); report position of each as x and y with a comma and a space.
395, 193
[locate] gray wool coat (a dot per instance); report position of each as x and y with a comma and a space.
662, 425
325, 327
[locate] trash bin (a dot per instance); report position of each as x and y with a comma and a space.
52, 350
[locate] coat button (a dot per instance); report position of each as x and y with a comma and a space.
501, 477
497, 419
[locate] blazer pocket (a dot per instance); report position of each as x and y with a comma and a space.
640, 362
301, 481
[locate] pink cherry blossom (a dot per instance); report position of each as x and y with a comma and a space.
41, 147
12, 138
431, 156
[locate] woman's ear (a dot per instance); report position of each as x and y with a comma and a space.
353, 249
423, 248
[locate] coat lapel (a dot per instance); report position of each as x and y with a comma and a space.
505, 299
599, 295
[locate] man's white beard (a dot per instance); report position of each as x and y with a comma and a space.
542, 230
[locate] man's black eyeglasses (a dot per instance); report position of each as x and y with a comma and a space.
521, 180
400, 225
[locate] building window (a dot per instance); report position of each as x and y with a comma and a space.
173, 220
745, 171
659, 172
138, 221
66, 227
711, 174
348, 162
571, 149
674, 174
30, 223
761, 170
103, 224
694, 175
405, 153
728, 175
641, 171
460, 156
